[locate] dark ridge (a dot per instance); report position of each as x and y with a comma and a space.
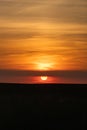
67, 89
41, 106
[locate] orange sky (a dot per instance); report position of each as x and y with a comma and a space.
43, 35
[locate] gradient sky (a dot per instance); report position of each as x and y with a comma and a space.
43, 35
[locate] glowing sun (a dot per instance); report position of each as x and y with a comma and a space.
44, 78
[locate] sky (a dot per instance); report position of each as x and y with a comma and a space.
43, 35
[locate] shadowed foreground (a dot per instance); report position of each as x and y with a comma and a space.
55, 106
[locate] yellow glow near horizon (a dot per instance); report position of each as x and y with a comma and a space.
44, 62
44, 66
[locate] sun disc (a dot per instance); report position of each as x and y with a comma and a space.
43, 77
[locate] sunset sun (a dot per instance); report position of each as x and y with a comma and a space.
44, 78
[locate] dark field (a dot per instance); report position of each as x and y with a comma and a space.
41, 106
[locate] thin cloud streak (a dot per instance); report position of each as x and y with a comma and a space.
31, 77
66, 74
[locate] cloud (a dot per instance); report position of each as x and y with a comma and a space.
56, 11
57, 26
15, 76
23, 19
66, 73
20, 35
